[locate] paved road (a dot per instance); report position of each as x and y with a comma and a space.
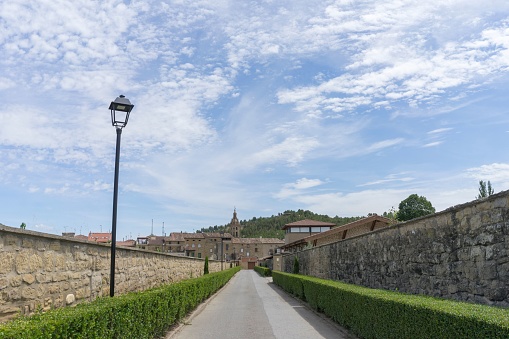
251, 307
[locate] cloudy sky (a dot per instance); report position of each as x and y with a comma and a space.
340, 107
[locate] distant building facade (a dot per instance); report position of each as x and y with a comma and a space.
229, 245
299, 230
358, 227
99, 237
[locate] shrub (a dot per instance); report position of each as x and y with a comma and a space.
206, 268
371, 313
295, 265
263, 271
140, 315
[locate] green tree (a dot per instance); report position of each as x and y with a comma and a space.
391, 214
295, 266
23, 226
485, 189
413, 207
206, 268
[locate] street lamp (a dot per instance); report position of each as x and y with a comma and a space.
221, 250
120, 110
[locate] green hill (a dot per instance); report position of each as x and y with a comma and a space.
271, 227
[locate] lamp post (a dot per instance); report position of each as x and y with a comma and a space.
221, 250
120, 110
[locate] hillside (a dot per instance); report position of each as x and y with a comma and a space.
271, 227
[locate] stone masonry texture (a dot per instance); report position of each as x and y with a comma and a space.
460, 253
41, 271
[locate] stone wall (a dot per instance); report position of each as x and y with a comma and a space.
40, 271
461, 253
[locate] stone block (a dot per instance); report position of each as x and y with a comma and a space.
42, 278
82, 293
60, 262
55, 246
4, 283
69, 299
488, 271
28, 278
54, 288
27, 243
477, 253
484, 239
47, 261
15, 281
10, 240
6, 262
27, 262
29, 293
61, 276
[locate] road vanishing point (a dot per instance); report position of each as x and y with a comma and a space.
252, 307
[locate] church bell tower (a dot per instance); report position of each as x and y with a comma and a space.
235, 227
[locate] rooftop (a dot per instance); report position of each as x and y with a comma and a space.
308, 222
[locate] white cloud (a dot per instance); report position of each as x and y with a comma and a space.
98, 186
291, 151
298, 187
496, 172
432, 144
440, 130
401, 177
384, 144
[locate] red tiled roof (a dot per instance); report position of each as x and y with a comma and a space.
307, 222
216, 235
99, 237
194, 236
176, 236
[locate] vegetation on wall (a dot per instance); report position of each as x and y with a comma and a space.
271, 227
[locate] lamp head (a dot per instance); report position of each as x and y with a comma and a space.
120, 110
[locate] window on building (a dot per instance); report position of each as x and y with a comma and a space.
211, 250
192, 246
256, 249
199, 245
199, 254
241, 250
227, 246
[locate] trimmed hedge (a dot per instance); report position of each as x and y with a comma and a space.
372, 313
263, 271
147, 314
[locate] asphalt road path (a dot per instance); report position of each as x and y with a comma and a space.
251, 307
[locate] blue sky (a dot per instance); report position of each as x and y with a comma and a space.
340, 107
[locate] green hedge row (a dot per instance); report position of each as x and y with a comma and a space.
372, 313
263, 271
147, 314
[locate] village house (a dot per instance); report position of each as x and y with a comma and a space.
333, 234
